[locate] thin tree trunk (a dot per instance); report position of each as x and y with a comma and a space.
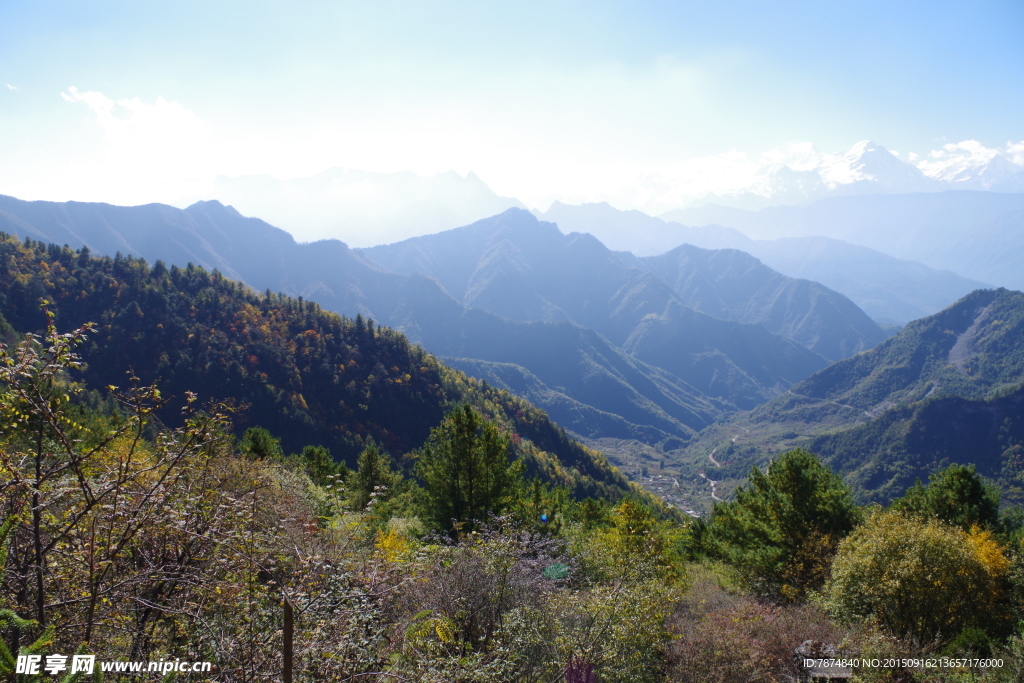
37, 515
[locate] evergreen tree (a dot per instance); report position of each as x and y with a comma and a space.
259, 443
785, 525
373, 475
955, 495
322, 468
465, 469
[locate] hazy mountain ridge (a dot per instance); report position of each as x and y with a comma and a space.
888, 289
523, 269
569, 360
733, 285
766, 367
975, 234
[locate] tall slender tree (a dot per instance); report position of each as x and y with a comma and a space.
466, 470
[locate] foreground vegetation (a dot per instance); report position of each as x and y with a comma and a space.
135, 541
487, 546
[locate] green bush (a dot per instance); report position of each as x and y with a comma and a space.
921, 579
784, 526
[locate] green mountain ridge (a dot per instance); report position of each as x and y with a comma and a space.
937, 392
596, 376
309, 376
966, 350
885, 456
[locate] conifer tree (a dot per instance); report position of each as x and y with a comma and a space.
373, 475
466, 471
955, 495
785, 525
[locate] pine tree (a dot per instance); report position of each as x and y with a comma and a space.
785, 525
465, 469
373, 476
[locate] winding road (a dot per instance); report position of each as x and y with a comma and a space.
828, 400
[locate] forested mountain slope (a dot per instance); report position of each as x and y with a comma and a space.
595, 388
966, 350
733, 285
883, 457
309, 376
942, 390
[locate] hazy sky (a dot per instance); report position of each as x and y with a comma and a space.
131, 102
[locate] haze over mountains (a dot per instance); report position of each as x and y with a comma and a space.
975, 234
387, 206
889, 289
609, 349
645, 335
867, 168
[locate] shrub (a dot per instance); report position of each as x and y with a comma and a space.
922, 580
722, 637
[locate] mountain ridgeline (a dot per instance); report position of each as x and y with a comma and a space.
890, 290
309, 376
976, 234
606, 347
947, 388
524, 269
650, 357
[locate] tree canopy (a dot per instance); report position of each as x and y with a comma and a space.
785, 524
922, 579
955, 495
466, 470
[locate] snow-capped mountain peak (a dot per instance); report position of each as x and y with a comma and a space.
868, 164
975, 173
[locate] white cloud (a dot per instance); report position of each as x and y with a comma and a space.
161, 127
12, 87
149, 151
1014, 151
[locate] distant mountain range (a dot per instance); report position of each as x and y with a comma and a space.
365, 208
866, 168
979, 235
522, 269
733, 285
890, 290
609, 349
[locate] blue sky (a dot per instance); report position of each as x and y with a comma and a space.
130, 102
